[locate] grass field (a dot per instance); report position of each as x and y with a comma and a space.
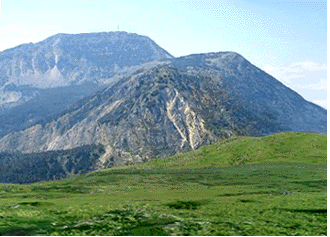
280, 148
196, 193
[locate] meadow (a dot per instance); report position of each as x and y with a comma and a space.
274, 185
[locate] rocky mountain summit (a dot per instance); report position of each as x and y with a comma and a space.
67, 59
72, 66
174, 106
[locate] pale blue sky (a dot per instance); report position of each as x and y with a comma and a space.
288, 39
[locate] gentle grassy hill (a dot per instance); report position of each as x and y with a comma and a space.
189, 195
240, 200
279, 148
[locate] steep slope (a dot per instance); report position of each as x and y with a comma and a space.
267, 104
75, 65
175, 107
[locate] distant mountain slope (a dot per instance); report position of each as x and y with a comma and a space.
49, 165
174, 107
45, 104
72, 66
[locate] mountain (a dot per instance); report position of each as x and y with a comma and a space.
73, 66
175, 106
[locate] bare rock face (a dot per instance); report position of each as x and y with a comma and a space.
41, 80
66, 59
172, 107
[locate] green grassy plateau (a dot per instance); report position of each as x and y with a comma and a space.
274, 185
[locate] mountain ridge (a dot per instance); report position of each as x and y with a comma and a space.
98, 55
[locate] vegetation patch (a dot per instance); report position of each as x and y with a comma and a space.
17, 232
189, 205
35, 204
311, 211
131, 220
246, 200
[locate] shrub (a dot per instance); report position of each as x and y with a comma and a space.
190, 205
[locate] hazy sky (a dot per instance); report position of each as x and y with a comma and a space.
287, 39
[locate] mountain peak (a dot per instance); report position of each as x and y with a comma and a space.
79, 58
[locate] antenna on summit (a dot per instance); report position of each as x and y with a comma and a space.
118, 27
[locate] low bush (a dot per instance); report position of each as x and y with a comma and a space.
190, 205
